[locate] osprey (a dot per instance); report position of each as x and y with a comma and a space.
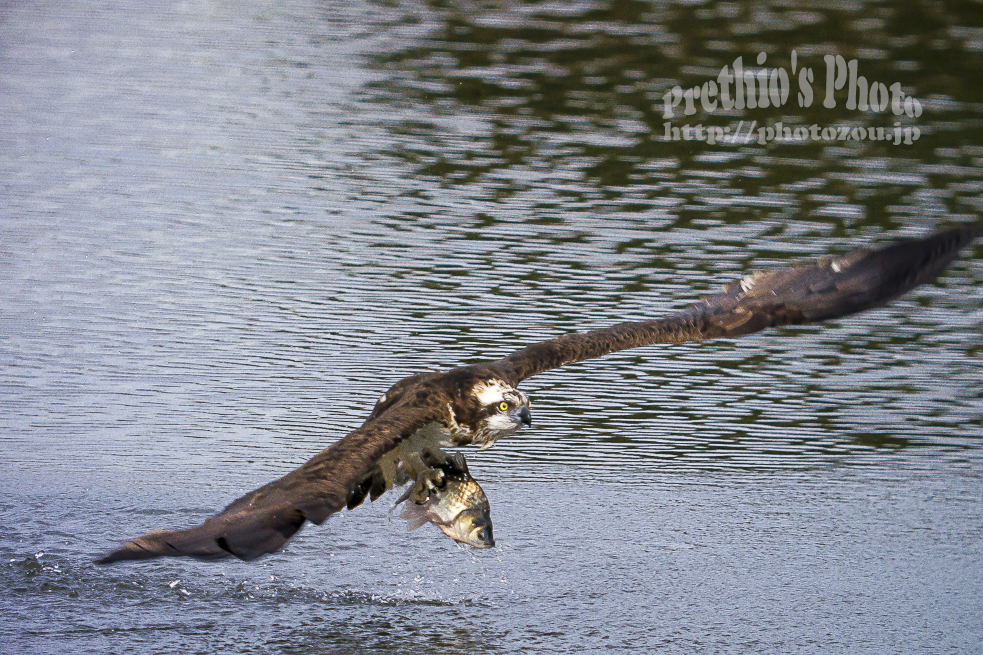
404, 436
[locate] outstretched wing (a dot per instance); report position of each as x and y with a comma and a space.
263, 520
828, 289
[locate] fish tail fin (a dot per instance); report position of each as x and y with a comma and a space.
415, 516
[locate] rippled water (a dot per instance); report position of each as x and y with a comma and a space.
227, 228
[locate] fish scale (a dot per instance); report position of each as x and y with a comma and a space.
459, 507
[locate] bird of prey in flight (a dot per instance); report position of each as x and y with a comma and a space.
404, 435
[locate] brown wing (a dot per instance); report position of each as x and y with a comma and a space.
263, 520
828, 289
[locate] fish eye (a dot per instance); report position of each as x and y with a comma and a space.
483, 534
504, 405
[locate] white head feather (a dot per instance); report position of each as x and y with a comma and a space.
491, 392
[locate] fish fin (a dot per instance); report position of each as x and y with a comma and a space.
458, 462
415, 516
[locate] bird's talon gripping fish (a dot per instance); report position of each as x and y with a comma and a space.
453, 501
404, 435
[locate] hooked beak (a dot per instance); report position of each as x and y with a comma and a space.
525, 416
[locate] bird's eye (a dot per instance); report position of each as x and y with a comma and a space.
503, 405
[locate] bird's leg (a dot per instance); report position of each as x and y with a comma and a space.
434, 457
427, 479
415, 465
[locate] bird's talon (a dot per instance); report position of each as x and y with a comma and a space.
429, 481
433, 479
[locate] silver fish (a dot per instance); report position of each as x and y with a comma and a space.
455, 503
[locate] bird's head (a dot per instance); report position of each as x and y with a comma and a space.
498, 410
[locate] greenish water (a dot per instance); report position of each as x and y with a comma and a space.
225, 229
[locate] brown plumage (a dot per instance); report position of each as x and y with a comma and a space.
479, 403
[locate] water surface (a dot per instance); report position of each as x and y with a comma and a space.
226, 229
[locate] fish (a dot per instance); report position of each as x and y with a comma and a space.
456, 504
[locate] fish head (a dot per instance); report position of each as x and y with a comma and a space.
472, 527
